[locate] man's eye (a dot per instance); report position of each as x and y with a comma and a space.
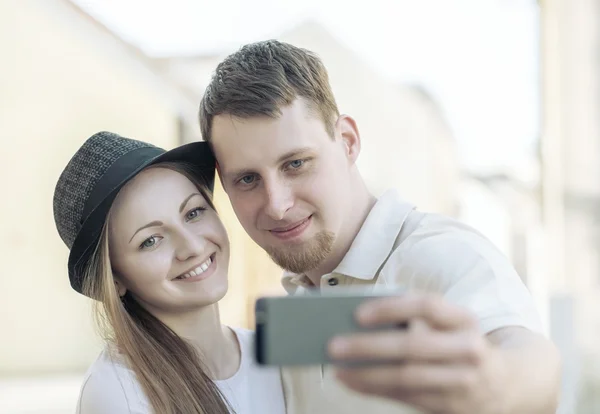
296, 163
247, 179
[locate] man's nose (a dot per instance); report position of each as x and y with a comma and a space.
279, 199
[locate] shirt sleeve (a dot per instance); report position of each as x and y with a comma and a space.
105, 393
468, 270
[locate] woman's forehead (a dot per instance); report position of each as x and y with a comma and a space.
154, 191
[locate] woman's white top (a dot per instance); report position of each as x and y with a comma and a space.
110, 387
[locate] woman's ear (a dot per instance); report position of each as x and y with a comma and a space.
121, 289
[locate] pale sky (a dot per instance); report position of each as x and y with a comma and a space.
478, 58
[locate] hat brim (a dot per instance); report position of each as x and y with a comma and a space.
197, 154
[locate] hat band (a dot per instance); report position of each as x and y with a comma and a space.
114, 176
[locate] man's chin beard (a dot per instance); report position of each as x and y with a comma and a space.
306, 256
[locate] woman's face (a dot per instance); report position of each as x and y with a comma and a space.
168, 247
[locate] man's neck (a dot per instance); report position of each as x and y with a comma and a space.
361, 207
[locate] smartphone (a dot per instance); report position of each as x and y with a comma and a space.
295, 330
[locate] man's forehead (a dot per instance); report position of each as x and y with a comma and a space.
257, 142
238, 162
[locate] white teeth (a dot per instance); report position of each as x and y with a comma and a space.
197, 271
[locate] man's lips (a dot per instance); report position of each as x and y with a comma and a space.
290, 227
292, 230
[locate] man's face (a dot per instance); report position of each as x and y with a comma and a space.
288, 182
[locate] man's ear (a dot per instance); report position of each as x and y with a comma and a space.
347, 130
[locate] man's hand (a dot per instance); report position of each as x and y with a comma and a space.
441, 363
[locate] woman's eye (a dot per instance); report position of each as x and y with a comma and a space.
195, 213
149, 242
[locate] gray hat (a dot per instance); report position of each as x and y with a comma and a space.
92, 179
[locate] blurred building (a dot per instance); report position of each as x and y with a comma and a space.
63, 79
570, 152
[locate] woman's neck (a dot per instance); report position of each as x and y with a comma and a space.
216, 344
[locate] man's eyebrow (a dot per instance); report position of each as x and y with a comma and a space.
239, 173
231, 175
293, 153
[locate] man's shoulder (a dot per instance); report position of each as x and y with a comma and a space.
444, 248
393, 209
442, 229
438, 229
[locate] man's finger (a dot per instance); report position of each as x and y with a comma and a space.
427, 401
397, 380
409, 346
434, 310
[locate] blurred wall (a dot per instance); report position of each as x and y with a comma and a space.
570, 35
61, 80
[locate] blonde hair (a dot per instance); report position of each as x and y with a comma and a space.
168, 368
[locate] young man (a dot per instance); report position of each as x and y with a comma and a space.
287, 160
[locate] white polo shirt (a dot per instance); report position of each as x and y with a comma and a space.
420, 252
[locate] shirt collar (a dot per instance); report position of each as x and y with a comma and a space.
371, 246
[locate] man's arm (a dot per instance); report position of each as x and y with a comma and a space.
470, 346
445, 365
532, 370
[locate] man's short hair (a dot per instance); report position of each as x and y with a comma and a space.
263, 77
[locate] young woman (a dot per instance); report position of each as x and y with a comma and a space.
148, 246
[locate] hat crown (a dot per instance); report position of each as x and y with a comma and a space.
83, 172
